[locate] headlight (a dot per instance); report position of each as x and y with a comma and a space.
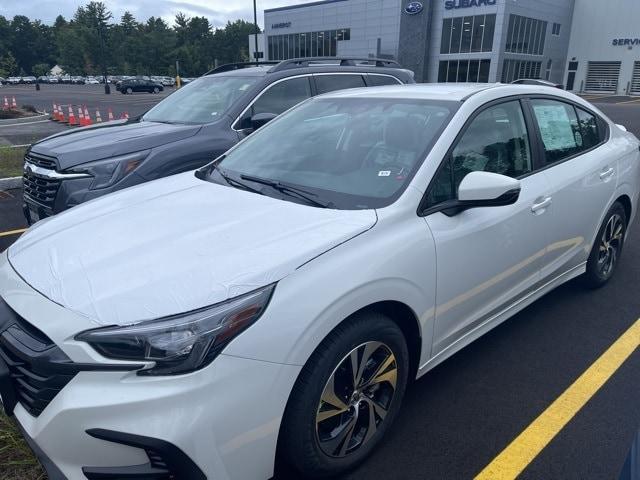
181, 343
108, 172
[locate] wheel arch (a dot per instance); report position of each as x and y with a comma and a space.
625, 201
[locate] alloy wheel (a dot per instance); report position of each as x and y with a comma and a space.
610, 245
356, 399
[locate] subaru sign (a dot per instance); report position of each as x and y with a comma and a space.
413, 8
451, 4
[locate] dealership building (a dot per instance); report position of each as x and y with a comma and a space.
586, 45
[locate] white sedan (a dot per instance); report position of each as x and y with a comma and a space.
283, 297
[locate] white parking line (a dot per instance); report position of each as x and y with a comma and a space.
23, 123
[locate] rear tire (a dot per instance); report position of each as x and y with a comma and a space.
156, 90
329, 427
607, 248
129, 91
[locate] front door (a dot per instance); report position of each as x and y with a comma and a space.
487, 258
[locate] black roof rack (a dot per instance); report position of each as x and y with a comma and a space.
228, 67
333, 61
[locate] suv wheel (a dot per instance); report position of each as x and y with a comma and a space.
346, 397
156, 90
129, 90
606, 251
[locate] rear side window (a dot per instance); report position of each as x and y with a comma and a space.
379, 80
589, 129
329, 83
561, 133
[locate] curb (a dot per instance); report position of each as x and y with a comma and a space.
23, 119
10, 183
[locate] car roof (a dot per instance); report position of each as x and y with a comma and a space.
431, 91
449, 91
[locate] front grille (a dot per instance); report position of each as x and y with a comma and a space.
41, 160
39, 369
41, 190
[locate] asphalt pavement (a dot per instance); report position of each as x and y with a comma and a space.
91, 96
459, 416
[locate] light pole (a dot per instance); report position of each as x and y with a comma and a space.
107, 88
255, 22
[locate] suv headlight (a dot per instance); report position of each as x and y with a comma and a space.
180, 343
111, 170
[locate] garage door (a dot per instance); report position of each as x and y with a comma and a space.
603, 77
635, 79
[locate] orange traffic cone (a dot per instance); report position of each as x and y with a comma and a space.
125, 115
87, 117
80, 117
5, 106
110, 115
73, 121
54, 115
14, 106
98, 117
61, 118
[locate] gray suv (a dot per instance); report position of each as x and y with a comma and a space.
186, 130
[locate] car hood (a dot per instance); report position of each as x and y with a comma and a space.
77, 147
172, 246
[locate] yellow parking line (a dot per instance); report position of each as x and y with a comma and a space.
515, 458
636, 100
13, 232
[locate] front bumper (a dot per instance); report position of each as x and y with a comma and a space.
224, 418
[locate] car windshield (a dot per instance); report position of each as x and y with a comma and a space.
346, 153
202, 101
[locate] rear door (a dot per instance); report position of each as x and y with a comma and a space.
581, 168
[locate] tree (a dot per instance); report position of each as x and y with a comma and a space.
40, 69
8, 66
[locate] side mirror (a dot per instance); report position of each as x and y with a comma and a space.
486, 189
261, 119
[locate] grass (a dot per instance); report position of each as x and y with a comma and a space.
11, 161
16, 459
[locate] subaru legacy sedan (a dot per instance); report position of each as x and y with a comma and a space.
281, 298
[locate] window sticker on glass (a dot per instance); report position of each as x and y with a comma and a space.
555, 127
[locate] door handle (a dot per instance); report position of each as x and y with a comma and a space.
541, 204
607, 173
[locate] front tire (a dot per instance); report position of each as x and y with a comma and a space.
346, 397
129, 91
607, 249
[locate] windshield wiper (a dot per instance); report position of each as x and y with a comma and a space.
235, 183
288, 190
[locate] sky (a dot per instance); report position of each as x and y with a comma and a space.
217, 11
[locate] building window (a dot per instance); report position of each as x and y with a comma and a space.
464, 71
308, 44
468, 34
517, 69
526, 35
556, 29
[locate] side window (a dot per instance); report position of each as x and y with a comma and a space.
496, 141
559, 129
589, 129
329, 83
279, 98
379, 80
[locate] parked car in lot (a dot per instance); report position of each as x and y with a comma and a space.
282, 297
184, 131
13, 80
52, 79
2, 81
77, 80
30, 80
91, 81
168, 81
186, 80
139, 85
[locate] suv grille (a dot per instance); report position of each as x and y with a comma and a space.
41, 160
39, 369
40, 189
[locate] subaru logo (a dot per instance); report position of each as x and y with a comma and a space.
413, 8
